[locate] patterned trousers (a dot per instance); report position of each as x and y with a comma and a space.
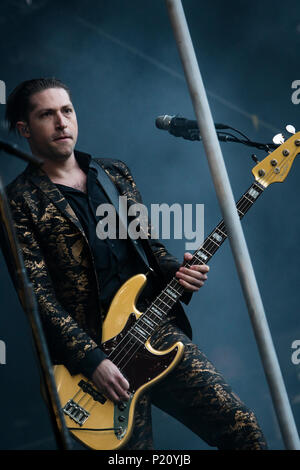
197, 395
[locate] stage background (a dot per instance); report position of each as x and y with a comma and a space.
121, 63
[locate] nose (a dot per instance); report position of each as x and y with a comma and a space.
61, 122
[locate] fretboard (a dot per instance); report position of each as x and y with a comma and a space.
158, 310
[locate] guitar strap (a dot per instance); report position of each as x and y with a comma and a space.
113, 195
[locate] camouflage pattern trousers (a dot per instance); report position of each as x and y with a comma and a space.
197, 395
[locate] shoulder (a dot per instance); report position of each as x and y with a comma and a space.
116, 169
113, 165
121, 175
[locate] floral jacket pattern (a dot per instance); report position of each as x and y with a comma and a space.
59, 262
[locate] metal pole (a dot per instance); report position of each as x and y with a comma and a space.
233, 225
15, 264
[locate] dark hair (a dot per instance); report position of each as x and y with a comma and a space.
18, 103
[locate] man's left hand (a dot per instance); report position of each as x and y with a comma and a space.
192, 278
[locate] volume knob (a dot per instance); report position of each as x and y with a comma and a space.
122, 406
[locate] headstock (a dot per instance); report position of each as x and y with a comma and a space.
276, 166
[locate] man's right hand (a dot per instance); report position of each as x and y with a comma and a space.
110, 381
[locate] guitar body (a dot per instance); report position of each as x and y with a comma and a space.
92, 418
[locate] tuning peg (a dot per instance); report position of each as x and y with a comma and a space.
278, 139
291, 129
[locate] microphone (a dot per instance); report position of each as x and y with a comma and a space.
189, 130
176, 125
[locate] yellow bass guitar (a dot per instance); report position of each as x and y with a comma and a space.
93, 419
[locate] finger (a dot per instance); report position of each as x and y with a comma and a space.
187, 256
200, 267
123, 387
121, 392
189, 286
123, 382
116, 376
193, 273
111, 395
107, 389
193, 281
113, 391
109, 381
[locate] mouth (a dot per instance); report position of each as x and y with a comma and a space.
63, 138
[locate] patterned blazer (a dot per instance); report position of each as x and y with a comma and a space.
59, 262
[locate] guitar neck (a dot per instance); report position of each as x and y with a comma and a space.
160, 307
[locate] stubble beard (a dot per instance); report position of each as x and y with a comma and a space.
59, 156
53, 154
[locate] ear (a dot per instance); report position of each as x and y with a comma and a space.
23, 129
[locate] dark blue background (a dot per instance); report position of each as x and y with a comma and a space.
121, 62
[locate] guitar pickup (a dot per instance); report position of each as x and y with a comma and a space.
76, 412
87, 388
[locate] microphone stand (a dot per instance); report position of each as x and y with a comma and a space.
15, 263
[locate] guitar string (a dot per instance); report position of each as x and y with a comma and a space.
149, 314
132, 350
243, 203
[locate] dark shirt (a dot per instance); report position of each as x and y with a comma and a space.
115, 260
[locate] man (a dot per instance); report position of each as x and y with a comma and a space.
75, 274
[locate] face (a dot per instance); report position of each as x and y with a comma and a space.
51, 128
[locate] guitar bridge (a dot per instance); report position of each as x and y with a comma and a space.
76, 412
